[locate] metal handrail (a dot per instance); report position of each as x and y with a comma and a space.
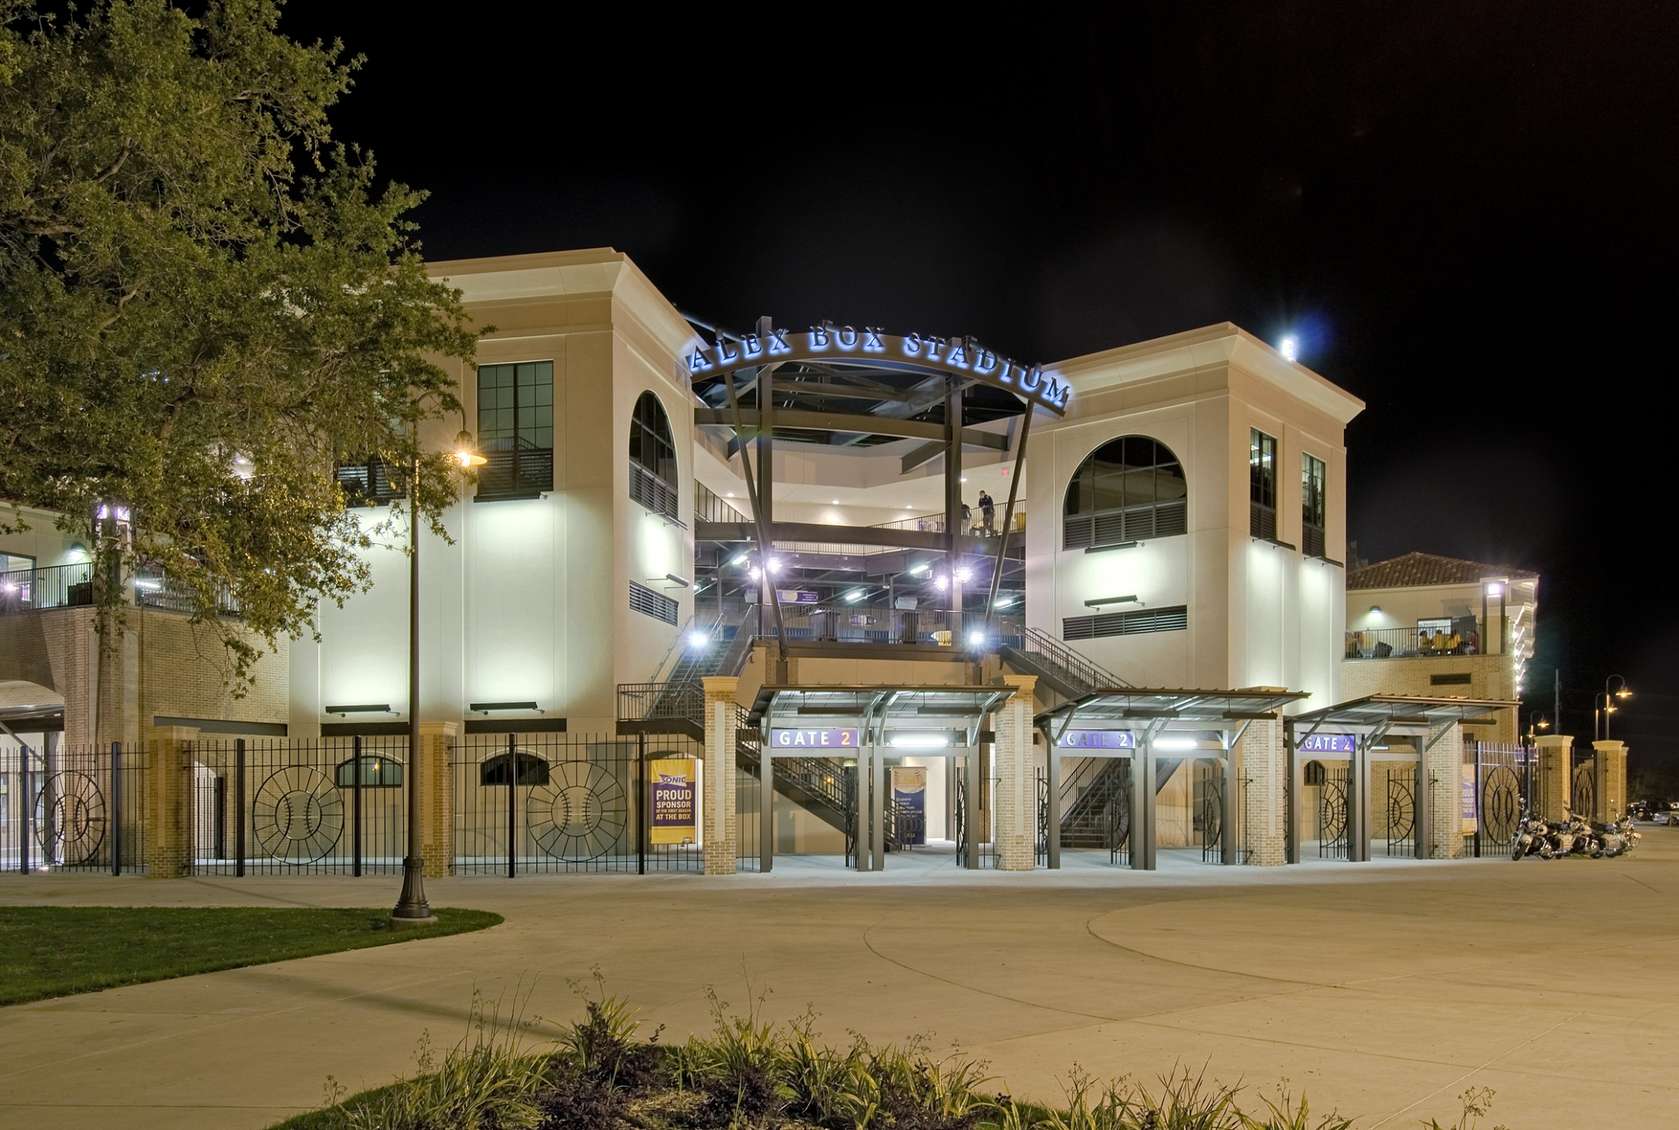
1093, 677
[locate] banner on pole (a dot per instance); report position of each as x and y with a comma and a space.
674, 781
909, 791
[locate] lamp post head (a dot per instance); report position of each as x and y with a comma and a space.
466, 454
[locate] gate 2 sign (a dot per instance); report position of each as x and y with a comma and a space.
1328, 743
841, 738
1098, 739
874, 347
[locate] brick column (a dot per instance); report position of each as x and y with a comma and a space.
168, 807
1015, 802
1262, 770
1443, 770
718, 830
1555, 777
1611, 779
437, 804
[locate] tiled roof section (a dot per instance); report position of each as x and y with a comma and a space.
1427, 569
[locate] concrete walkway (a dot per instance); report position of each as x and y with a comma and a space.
1384, 989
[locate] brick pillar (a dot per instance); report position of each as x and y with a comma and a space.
168, 807
1555, 777
1262, 770
1611, 779
1015, 819
1443, 770
718, 830
437, 804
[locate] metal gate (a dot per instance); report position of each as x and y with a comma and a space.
285, 806
72, 808
544, 803
1401, 815
1207, 814
1503, 791
1583, 790
1334, 787
1116, 814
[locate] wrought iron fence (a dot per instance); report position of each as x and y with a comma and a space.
288, 806
1207, 813
153, 588
1334, 788
55, 586
1582, 793
542, 803
72, 808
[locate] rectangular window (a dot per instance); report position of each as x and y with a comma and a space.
516, 429
1262, 485
1133, 623
649, 603
1312, 505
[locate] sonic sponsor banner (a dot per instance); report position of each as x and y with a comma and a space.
675, 790
909, 792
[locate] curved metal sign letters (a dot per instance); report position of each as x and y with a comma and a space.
873, 347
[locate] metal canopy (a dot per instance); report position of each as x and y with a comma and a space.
926, 707
1396, 712
1136, 707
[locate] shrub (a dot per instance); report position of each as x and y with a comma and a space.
488, 1081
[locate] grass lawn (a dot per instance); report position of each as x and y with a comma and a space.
53, 951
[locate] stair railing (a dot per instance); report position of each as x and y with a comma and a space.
1091, 676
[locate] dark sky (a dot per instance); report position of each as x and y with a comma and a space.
1466, 210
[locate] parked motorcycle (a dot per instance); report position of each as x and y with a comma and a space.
1615, 839
1532, 838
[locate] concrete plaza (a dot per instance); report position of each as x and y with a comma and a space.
1384, 989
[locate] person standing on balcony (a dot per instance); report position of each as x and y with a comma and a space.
987, 514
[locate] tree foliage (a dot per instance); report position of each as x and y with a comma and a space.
205, 303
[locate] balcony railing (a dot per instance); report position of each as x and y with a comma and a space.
522, 471
55, 586
1410, 643
709, 508
849, 623
155, 589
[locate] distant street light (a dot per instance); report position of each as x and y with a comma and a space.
1289, 347
1623, 692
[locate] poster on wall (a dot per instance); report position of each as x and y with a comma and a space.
1467, 805
909, 792
674, 783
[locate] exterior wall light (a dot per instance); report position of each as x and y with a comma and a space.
976, 639
699, 641
964, 574
738, 559
1175, 744
920, 570
1100, 601
360, 708
854, 596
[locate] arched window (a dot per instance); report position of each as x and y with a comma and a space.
653, 481
1130, 488
1314, 773
376, 772
530, 769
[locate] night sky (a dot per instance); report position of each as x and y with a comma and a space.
1466, 211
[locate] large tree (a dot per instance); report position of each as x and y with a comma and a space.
205, 302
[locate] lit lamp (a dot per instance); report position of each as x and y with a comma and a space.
1621, 692
412, 909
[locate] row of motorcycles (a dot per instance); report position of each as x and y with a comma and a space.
1573, 835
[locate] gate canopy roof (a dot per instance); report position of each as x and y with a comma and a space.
894, 707
1125, 708
1396, 711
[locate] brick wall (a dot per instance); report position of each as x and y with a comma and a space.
1262, 768
163, 664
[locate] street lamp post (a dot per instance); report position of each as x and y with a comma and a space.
412, 909
1622, 692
